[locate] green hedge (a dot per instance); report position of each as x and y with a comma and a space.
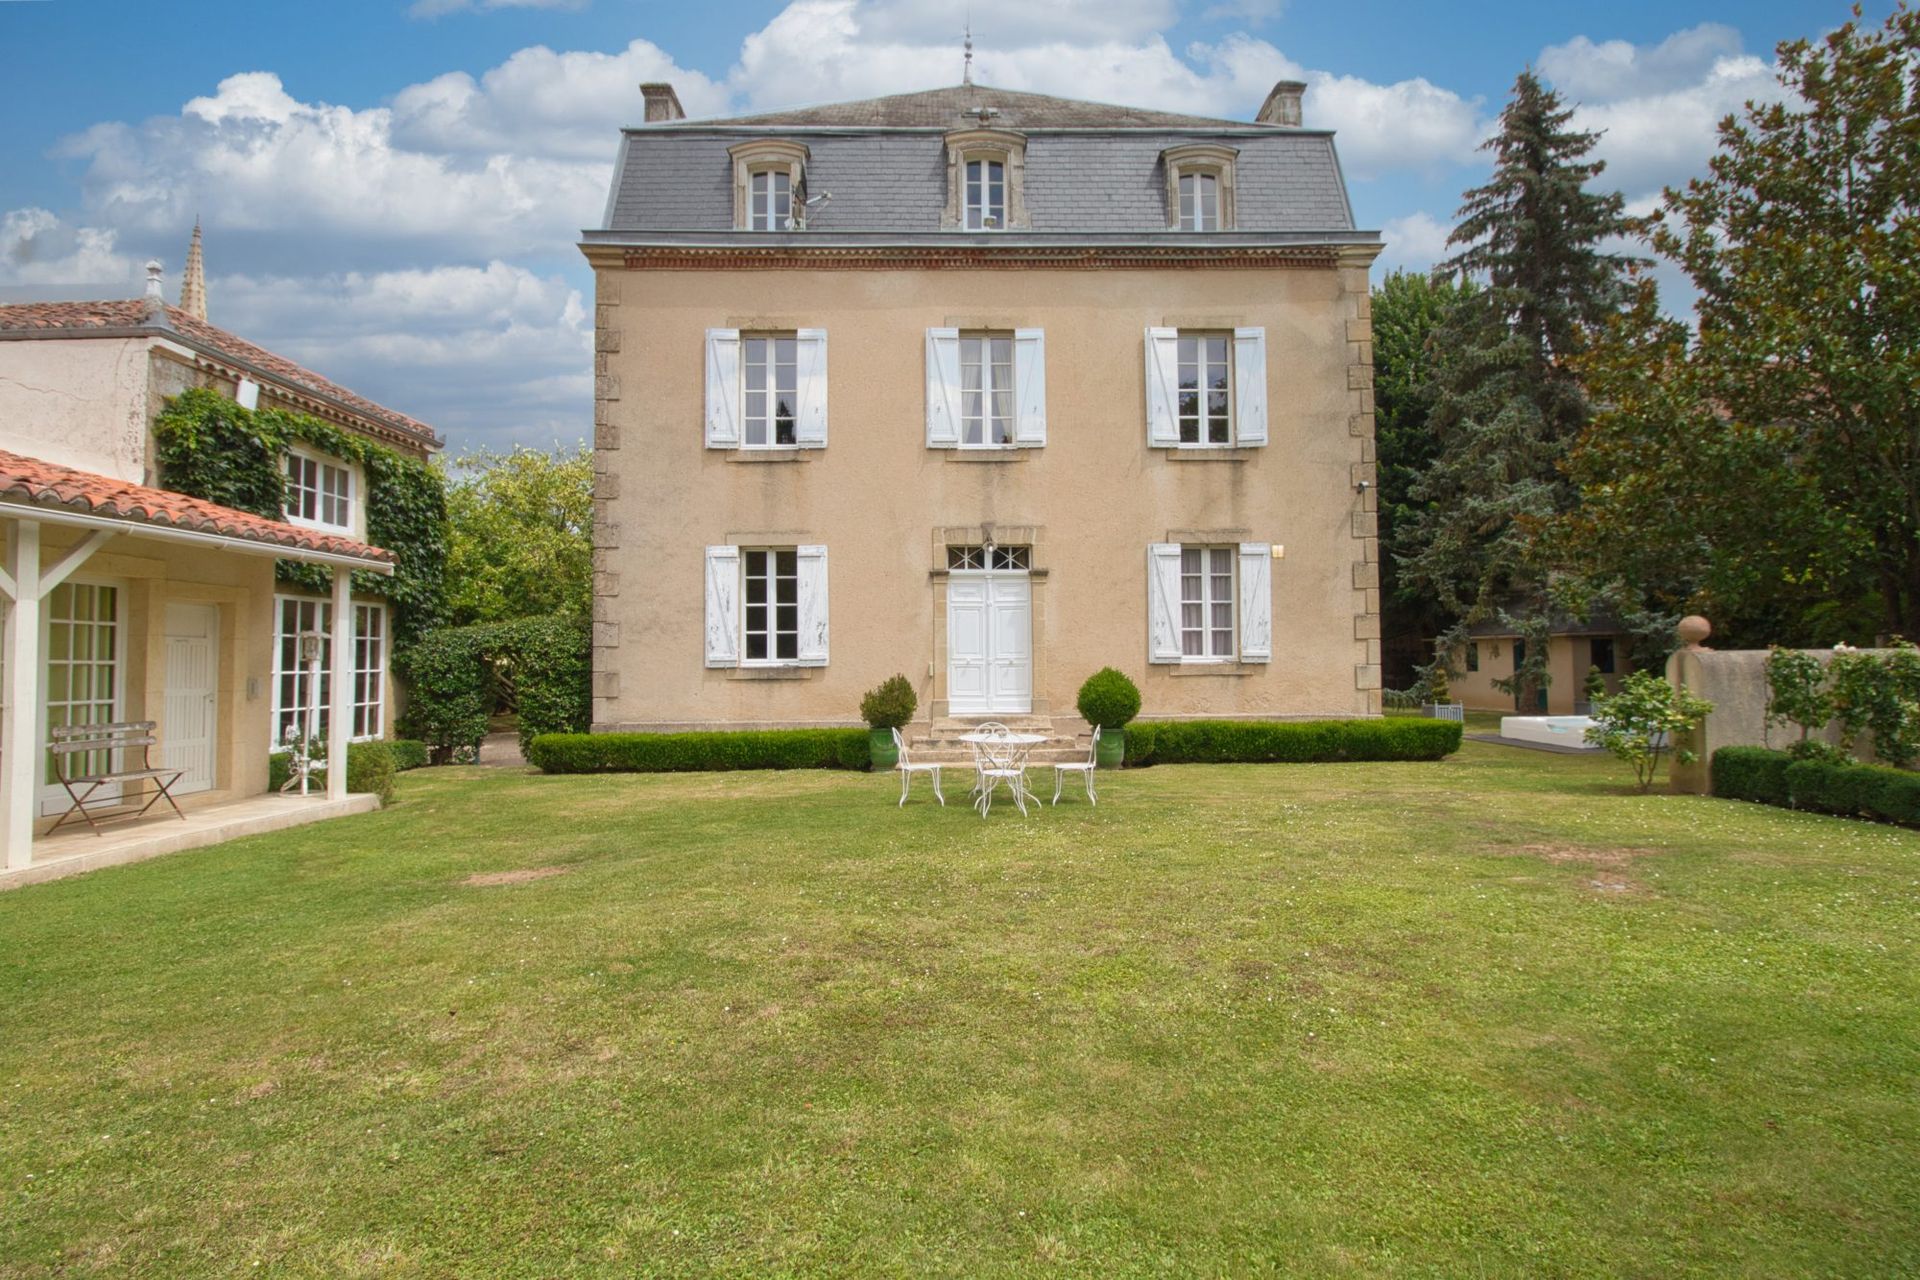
370, 768
1289, 741
541, 668
408, 754
1845, 790
1751, 773
699, 752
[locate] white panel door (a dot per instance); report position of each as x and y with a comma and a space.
989, 644
1011, 608
968, 651
188, 735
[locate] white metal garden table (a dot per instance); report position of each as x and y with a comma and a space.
1001, 758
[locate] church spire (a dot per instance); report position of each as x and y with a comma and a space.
193, 282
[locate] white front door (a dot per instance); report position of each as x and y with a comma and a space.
989, 644
187, 736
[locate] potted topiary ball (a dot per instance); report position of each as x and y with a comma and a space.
1110, 700
886, 708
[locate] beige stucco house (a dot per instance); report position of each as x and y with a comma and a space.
128, 602
992, 389
1494, 651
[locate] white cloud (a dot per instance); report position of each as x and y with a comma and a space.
1658, 106
38, 248
499, 352
1414, 242
1410, 125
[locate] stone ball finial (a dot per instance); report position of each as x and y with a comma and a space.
1694, 631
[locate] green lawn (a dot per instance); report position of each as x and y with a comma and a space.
1491, 1017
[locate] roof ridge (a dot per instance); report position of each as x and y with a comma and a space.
1090, 109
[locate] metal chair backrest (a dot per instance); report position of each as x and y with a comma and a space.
1093, 748
900, 746
995, 728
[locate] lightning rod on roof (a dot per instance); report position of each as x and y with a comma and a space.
966, 70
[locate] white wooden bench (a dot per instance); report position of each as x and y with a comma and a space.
81, 740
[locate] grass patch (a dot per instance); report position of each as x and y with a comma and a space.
1373, 1019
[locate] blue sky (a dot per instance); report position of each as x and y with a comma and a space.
391, 188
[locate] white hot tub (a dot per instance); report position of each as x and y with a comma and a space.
1554, 731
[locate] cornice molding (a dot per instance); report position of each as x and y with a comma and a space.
971, 258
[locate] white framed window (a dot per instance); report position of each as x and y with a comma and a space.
770, 605
296, 692
770, 398
986, 390
1209, 602
985, 198
1003, 559
766, 606
1206, 389
770, 200
84, 661
766, 390
1206, 603
320, 492
1199, 202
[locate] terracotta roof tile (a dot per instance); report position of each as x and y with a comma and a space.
163, 318
30, 482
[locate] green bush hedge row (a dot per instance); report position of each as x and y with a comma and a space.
370, 768
1844, 790
1289, 741
699, 752
408, 754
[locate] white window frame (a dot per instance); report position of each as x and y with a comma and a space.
1209, 628
763, 213
372, 708
771, 339
1201, 160
1205, 416
1193, 214
322, 463
982, 342
982, 207
52, 796
772, 604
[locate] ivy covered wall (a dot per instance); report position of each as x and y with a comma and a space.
212, 448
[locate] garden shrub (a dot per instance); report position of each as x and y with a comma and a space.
1841, 788
408, 754
1109, 699
1290, 741
370, 768
1751, 773
891, 705
1644, 720
699, 752
540, 667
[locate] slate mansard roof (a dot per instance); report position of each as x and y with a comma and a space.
1092, 170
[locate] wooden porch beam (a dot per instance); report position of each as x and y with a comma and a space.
77, 555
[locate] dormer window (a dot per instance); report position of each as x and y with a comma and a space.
986, 172
320, 492
769, 185
986, 206
772, 200
1200, 187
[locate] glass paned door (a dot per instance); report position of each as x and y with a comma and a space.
83, 676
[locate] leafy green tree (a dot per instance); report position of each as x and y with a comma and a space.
1640, 723
1766, 470
1508, 404
1407, 310
520, 537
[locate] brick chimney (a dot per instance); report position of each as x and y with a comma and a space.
1282, 106
663, 103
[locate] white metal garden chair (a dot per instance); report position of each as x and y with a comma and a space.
1000, 762
992, 728
908, 767
1084, 768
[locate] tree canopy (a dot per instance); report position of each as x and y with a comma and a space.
520, 536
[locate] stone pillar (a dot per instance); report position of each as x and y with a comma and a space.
606, 491
1357, 315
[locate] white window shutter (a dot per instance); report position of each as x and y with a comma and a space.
1250, 386
812, 564
723, 606
810, 368
1163, 602
1030, 387
1163, 387
723, 388
943, 388
1256, 602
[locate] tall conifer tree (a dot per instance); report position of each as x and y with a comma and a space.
1507, 405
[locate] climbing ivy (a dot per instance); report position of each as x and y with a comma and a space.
212, 448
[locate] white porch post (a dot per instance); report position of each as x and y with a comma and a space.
340, 713
20, 717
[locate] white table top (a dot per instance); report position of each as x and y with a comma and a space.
1016, 739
